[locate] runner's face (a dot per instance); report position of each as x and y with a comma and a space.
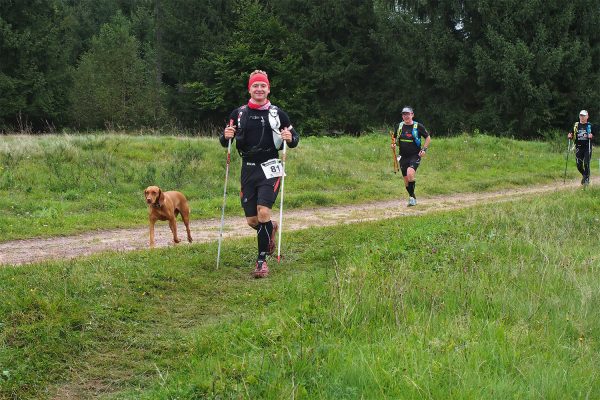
407, 117
583, 118
259, 91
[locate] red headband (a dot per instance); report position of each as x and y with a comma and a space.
258, 78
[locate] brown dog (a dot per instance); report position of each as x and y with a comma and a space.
165, 206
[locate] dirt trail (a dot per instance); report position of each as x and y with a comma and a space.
27, 251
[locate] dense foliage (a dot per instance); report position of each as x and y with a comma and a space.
508, 67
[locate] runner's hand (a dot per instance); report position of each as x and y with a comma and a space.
286, 134
229, 132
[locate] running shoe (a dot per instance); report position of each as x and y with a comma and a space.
261, 270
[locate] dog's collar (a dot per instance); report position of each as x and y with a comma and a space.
157, 204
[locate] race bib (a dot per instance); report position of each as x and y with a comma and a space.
272, 168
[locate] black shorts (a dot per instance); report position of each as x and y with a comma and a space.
409, 162
581, 151
257, 190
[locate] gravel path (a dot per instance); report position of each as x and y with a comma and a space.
27, 251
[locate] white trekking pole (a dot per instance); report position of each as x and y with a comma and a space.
281, 202
224, 198
589, 159
567, 162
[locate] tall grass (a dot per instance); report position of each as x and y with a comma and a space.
490, 302
63, 184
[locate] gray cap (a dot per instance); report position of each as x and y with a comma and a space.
583, 112
407, 109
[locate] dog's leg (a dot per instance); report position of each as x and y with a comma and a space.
173, 226
185, 215
152, 221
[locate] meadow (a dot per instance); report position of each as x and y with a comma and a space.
493, 301
490, 302
67, 184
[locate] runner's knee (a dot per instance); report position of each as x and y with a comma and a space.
264, 214
252, 221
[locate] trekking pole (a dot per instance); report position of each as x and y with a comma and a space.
567, 162
589, 158
224, 197
281, 202
396, 165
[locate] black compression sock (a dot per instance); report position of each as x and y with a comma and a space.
264, 232
411, 189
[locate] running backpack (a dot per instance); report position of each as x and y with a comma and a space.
274, 122
415, 133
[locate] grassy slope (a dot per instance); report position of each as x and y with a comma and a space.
58, 185
491, 302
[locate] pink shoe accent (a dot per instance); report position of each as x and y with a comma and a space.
261, 270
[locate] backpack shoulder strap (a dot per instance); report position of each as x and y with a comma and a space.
415, 133
275, 123
242, 117
274, 118
399, 131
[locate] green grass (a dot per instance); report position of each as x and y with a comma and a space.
65, 184
490, 302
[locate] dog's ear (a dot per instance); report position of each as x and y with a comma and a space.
161, 196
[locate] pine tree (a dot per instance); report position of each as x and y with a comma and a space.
34, 55
113, 86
